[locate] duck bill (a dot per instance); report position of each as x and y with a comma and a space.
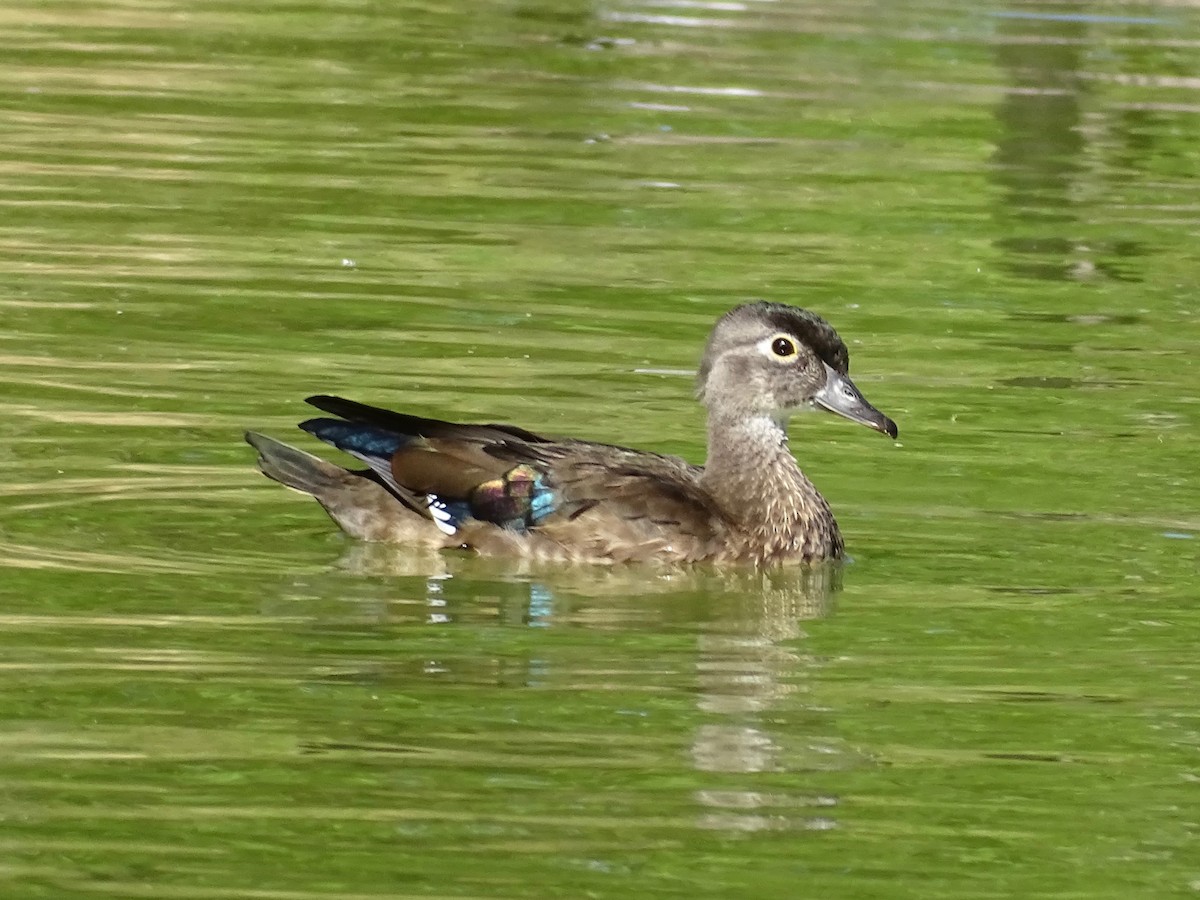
841, 396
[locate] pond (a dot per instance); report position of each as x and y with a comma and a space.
533, 213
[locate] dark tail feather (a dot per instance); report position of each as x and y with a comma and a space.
400, 423
294, 468
364, 441
370, 415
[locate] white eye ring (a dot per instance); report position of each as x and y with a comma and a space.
780, 347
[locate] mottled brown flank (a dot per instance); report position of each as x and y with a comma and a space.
749, 503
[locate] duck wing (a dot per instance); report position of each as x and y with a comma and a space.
605, 500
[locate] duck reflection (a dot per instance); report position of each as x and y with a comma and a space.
746, 664
767, 603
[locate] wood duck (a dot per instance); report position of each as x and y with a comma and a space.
502, 490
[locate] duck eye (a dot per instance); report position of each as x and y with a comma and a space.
782, 346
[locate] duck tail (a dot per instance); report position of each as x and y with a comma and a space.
294, 468
360, 503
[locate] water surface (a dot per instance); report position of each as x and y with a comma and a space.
533, 213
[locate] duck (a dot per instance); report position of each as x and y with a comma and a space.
500, 490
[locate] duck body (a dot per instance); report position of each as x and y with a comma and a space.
502, 490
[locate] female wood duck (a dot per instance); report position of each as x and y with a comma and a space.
498, 489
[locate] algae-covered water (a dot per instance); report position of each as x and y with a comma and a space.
533, 213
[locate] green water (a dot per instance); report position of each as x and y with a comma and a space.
533, 213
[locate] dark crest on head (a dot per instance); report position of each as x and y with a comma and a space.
809, 328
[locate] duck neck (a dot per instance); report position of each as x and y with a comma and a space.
755, 480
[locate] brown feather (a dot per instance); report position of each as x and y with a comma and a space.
450, 470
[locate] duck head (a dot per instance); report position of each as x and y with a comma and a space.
770, 359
